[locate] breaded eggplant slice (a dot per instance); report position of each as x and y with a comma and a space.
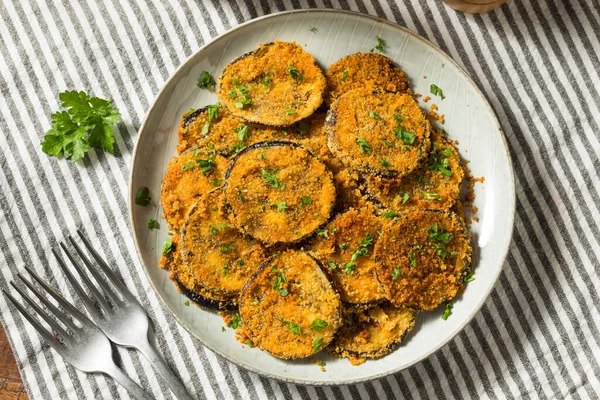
217, 255
434, 185
277, 84
279, 192
371, 333
364, 70
186, 284
345, 248
423, 257
189, 176
377, 132
197, 125
289, 307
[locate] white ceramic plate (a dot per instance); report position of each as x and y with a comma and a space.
469, 119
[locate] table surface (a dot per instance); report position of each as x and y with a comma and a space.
11, 385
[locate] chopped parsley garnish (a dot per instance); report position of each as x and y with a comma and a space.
242, 132
404, 136
389, 214
225, 270
447, 311
213, 113
142, 198
291, 111
217, 182
271, 179
438, 161
441, 251
266, 82
343, 246
290, 325
245, 99
313, 29
431, 196
344, 76
281, 205
332, 265
437, 91
323, 232
317, 343
214, 230
236, 147
405, 196
187, 165
384, 163
228, 247
206, 80
389, 144
439, 234
363, 250
306, 201
365, 147
249, 343
318, 325
294, 73
153, 224
85, 123
321, 363
380, 44
279, 280
412, 258
206, 164
186, 303
255, 302
168, 246
236, 322
396, 273
301, 127
470, 277
373, 115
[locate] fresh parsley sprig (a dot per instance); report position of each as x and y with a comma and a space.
85, 123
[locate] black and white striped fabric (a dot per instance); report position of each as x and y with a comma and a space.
537, 336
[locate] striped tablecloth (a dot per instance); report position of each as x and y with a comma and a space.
537, 336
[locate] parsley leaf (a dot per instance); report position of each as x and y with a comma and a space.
206, 80
186, 303
396, 273
317, 343
290, 325
294, 73
435, 90
380, 44
318, 325
228, 247
206, 164
153, 224
405, 196
389, 214
213, 113
142, 198
438, 161
439, 234
373, 115
412, 258
384, 163
404, 136
332, 265
236, 322
470, 277
447, 311
271, 179
306, 200
365, 147
85, 124
168, 246
313, 29
266, 82
431, 196
322, 232
242, 132
363, 250
281, 205
344, 76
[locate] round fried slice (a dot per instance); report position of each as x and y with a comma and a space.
377, 132
364, 70
423, 258
435, 185
345, 248
218, 256
278, 192
186, 284
289, 306
372, 333
189, 176
277, 84
198, 124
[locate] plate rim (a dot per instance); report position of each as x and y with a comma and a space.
467, 320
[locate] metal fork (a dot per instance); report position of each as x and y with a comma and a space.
86, 347
123, 320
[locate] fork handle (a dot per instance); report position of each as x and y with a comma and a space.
160, 366
133, 388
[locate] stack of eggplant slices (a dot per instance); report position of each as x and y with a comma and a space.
315, 211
